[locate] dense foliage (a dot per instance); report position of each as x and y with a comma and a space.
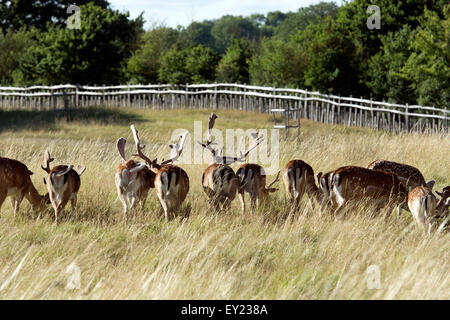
321, 47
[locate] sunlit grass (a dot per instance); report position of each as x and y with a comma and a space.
211, 256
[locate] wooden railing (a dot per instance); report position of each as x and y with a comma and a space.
295, 103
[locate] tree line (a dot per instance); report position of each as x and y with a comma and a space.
322, 47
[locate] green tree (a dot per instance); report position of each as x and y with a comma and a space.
233, 67
191, 65
229, 27
201, 63
93, 54
279, 63
199, 33
332, 63
292, 22
384, 78
13, 45
16, 14
144, 64
428, 66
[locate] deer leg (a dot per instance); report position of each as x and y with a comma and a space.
59, 208
242, 199
164, 206
73, 201
125, 205
253, 202
3, 194
16, 203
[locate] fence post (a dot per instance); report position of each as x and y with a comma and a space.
407, 127
216, 97
128, 95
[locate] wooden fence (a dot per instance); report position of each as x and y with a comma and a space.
292, 103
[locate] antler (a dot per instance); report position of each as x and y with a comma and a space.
47, 159
211, 120
257, 139
176, 149
121, 147
139, 147
276, 180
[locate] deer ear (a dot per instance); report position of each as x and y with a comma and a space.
430, 184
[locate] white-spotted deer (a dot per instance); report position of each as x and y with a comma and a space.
252, 179
16, 183
357, 183
171, 182
133, 181
425, 208
442, 209
298, 178
409, 176
63, 184
219, 181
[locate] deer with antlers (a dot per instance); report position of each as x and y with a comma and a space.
357, 183
133, 181
252, 179
16, 183
171, 182
425, 208
219, 181
298, 178
63, 183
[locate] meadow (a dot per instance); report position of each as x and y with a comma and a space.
268, 255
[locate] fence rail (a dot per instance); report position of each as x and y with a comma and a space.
295, 103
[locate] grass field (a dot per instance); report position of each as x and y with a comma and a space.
269, 255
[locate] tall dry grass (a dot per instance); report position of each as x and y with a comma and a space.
214, 256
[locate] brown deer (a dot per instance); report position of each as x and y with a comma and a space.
409, 176
324, 189
16, 183
133, 181
426, 209
298, 178
357, 183
252, 179
442, 208
219, 181
63, 184
171, 182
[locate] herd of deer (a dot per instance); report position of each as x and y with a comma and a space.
383, 183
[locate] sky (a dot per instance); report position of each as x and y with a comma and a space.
182, 12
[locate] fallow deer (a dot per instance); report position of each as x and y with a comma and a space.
324, 188
252, 179
133, 181
171, 182
16, 183
422, 204
409, 176
63, 184
357, 183
219, 181
298, 178
442, 209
